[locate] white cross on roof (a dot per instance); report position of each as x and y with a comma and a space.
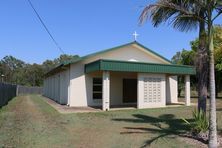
135, 35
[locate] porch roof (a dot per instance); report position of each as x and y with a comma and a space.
129, 66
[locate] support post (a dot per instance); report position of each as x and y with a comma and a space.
140, 89
106, 91
187, 90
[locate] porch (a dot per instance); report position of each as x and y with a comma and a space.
136, 84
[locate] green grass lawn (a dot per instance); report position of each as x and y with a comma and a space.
28, 121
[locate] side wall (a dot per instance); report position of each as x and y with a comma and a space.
79, 84
56, 87
171, 89
64, 87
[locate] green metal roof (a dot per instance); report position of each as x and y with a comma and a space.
114, 48
100, 52
128, 66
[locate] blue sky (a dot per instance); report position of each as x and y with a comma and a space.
80, 27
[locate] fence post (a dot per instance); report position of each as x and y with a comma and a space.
17, 87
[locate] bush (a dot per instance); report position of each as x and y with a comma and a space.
200, 123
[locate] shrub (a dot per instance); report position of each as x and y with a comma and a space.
200, 123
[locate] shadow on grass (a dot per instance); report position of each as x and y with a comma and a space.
172, 127
219, 109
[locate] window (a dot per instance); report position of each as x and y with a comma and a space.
152, 90
97, 88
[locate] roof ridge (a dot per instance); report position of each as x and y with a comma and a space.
110, 49
116, 47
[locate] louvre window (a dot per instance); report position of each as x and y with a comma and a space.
152, 90
97, 88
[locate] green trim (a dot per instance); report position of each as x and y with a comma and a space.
96, 53
104, 51
114, 48
127, 66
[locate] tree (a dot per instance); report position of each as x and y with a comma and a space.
185, 57
19, 72
34, 74
65, 58
211, 7
49, 64
217, 54
184, 16
9, 66
12, 62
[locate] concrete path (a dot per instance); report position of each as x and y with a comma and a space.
67, 109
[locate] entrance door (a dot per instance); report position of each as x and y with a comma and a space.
129, 90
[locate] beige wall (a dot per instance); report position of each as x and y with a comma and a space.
141, 95
81, 84
81, 87
74, 87
78, 87
129, 53
116, 84
171, 89
81, 92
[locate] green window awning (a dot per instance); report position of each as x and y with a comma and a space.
128, 66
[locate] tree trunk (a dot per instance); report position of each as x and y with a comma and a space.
202, 68
180, 80
179, 93
212, 113
216, 84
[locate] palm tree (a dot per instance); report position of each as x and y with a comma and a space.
202, 65
211, 7
186, 15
